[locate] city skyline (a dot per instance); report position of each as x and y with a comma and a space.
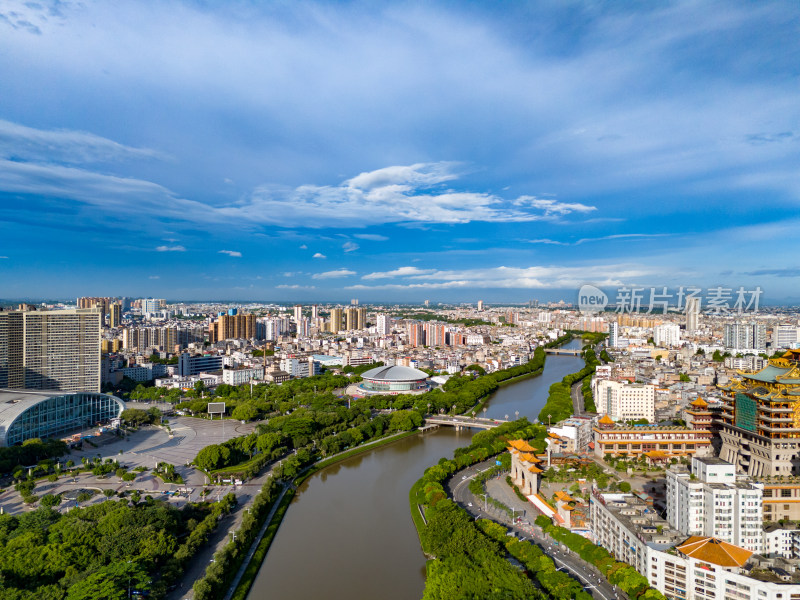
450, 152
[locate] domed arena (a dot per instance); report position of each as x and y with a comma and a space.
392, 380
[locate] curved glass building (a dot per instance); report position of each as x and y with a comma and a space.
27, 414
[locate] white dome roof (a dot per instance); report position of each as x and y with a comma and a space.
395, 373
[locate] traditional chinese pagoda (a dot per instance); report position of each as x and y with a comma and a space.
761, 419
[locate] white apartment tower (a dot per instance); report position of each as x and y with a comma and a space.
667, 335
692, 314
613, 334
711, 501
624, 401
384, 325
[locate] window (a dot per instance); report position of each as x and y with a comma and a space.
786, 493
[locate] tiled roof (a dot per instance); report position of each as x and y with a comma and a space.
714, 551
606, 420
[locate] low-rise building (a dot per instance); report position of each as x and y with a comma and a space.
657, 442
242, 375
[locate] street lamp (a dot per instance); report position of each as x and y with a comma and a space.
454, 409
484, 412
548, 420
516, 414
485, 502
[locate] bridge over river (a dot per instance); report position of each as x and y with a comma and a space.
433, 421
571, 351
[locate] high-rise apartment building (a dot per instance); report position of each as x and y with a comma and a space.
613, 334
114, 314
169, 338
384, 324
314, 311
298, 313
667, 335
50, 350
711, 501
416, 334
95, 302
785, 336
692, 314
435, 334
151, 305
232, 327
480, 305
740, 336
355, 318
623, 401
336, 318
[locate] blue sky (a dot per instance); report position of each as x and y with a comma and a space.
397, 151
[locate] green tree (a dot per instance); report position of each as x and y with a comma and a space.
50, 500
245, 412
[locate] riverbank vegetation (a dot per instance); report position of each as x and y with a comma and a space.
558, 584
559, 400
469, 564
101, 551
629, 580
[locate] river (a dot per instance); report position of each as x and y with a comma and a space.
348, 533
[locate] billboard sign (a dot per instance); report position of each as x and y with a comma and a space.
216, 408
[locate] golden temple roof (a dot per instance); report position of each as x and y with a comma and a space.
714, 551
699, 403
606, 420
522, 445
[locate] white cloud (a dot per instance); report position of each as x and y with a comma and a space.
350, 246
620, 236
303, 247
284, 286
154, 277
401, 272
399, 194
417, 175
334, 274
170, 249
62, 145
373, 237
319, 255
510, 277
546, 241
232, 253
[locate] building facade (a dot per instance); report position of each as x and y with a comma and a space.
711, 501
25, 414
50, 350
623, 401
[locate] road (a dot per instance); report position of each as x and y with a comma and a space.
525, 513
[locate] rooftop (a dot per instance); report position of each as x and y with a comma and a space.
394, 373
13, 402
714, 551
